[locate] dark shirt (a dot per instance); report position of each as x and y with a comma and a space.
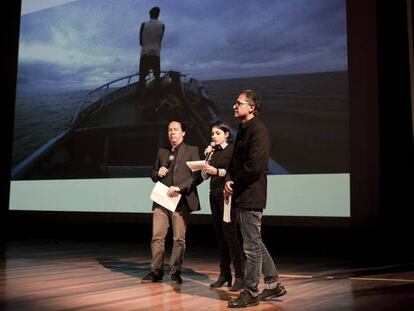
168, 180
248, 167
179, 174
220, 159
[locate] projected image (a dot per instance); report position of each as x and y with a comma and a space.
80, 113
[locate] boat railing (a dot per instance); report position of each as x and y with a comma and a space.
96, 96
100, 95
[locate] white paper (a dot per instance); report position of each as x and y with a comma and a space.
195, 165
226, 211
159, 195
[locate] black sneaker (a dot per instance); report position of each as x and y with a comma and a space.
151, 277
245, 299
278, 291
176, 278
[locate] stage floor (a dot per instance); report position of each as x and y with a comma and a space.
75, 275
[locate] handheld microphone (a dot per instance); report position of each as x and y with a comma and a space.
208, 152
170, 159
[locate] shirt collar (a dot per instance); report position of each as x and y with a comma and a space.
224, 145
245, 125
176, 148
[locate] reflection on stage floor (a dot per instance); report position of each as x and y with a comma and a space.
72, 275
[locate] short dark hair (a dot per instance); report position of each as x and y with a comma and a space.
154, 12
225, 127
255, 99
178, 121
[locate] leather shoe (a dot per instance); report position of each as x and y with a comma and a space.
176, 278
151, 277
268, 293
238, 285
220, 281
245, 299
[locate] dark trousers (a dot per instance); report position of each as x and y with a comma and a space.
146, 63
228, 241
258, 259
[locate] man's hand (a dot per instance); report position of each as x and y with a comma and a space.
173, 191
228, 189
162, 171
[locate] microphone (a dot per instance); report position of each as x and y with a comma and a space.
209, 151
170, 159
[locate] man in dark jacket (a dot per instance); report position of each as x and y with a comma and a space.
170, 168
247, 185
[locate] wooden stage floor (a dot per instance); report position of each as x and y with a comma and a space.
90, 276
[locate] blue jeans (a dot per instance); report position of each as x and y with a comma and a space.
258, 258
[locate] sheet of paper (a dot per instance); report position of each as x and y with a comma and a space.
159, 195
226, 211
195, 165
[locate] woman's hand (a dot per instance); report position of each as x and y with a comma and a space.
211, 170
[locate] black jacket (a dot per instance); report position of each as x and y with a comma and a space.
183, 177
248, 168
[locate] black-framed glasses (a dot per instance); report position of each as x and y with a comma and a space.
238, 103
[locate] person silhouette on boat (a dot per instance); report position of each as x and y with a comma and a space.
150, 37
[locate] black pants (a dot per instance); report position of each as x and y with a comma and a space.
146, 63
228, 239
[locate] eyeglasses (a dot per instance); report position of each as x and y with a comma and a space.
238, 103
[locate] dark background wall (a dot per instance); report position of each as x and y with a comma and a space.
10, 19
396, 139
382, 167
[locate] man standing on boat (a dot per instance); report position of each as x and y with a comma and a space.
170, 168
150, 37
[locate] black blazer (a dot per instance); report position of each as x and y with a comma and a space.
183, 177
248, 168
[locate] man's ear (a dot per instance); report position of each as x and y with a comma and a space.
183, 134
252, 108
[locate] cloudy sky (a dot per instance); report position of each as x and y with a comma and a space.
72, 45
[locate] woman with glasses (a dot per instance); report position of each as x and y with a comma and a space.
228, 241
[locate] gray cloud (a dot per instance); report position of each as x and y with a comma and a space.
87, 43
